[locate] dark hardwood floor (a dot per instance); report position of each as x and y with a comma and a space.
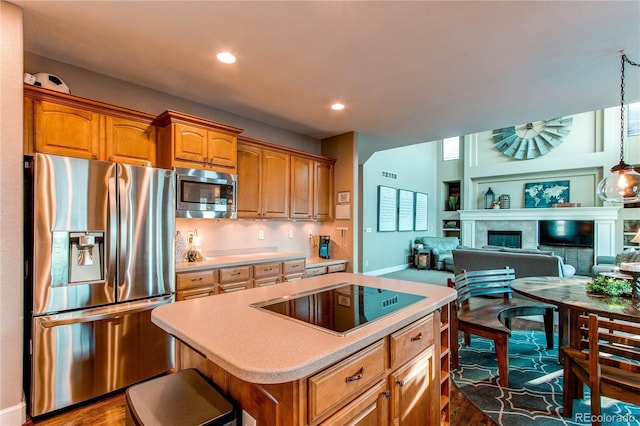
110, 411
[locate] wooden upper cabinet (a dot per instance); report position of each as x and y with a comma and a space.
65, 130
263, 182
301, 205
63, 124
130, 141
192, 142
249, 181
278, 182
323, 190
222, 149
275, 184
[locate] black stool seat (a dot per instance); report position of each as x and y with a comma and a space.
182, 398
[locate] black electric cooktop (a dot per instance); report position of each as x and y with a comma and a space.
341, 308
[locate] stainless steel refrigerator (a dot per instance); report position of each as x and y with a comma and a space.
102, 258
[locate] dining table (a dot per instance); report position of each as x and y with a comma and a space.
571, 297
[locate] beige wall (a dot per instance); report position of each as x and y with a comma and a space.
345, 148
12, 409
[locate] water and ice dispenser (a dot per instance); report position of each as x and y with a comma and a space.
77, 257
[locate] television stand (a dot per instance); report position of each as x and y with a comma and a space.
580, 258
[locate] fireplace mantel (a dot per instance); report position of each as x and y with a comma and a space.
568, 213
475, 222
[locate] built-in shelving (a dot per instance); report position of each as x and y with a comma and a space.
445, 362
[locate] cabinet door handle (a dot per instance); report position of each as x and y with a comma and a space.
196, 279
206, 160
386, 394
418, 337
400, 383
356, 377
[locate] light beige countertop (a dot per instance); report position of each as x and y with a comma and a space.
262, 347
226, 261
313, 262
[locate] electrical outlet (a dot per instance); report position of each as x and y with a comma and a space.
290, 234
190, 235
247, 420
261, 234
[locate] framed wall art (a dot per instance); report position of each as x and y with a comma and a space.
387, 208
406, 211
546, 194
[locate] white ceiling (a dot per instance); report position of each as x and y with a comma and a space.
408, 72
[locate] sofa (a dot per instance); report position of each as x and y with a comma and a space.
441, 249
612, 263
526, 262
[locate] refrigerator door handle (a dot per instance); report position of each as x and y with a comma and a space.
110, 314
123, 246
113, 231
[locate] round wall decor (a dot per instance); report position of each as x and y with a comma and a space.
532, 140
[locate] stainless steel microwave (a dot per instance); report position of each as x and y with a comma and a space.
205, 194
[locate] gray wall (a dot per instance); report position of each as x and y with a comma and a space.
103, 88
415, 167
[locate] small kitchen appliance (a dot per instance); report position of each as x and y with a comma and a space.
323, 250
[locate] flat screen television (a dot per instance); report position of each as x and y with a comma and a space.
572, 233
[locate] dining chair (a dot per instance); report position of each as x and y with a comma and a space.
485, 306
608, 362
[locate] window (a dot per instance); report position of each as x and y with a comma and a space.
451, 149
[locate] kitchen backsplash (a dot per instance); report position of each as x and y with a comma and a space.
223, 237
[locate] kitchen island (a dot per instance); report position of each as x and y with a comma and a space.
285, 371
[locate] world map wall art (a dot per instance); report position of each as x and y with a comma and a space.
546, 194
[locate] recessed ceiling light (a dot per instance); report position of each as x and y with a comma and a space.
337, 106
226, 57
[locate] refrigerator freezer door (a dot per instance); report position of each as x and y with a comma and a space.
69, 195
147, 228
81, 355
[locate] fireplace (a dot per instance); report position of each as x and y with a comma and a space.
511, 239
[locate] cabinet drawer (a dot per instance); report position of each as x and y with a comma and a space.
291, 267
370, 408
231, 275
411, 340
185, 280
228, 288
265, 270
345, 380
263, 282
195, 293
312, 272
340, 267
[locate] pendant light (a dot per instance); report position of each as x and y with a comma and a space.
623, 183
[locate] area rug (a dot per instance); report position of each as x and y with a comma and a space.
535, 392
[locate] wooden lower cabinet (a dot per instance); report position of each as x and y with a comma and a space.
363, 389
410, 404
190, 285
267, 274
369, 409
235, 278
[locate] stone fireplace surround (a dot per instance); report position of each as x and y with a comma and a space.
476, 223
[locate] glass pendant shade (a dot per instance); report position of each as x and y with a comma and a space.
621, 186
636, 239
